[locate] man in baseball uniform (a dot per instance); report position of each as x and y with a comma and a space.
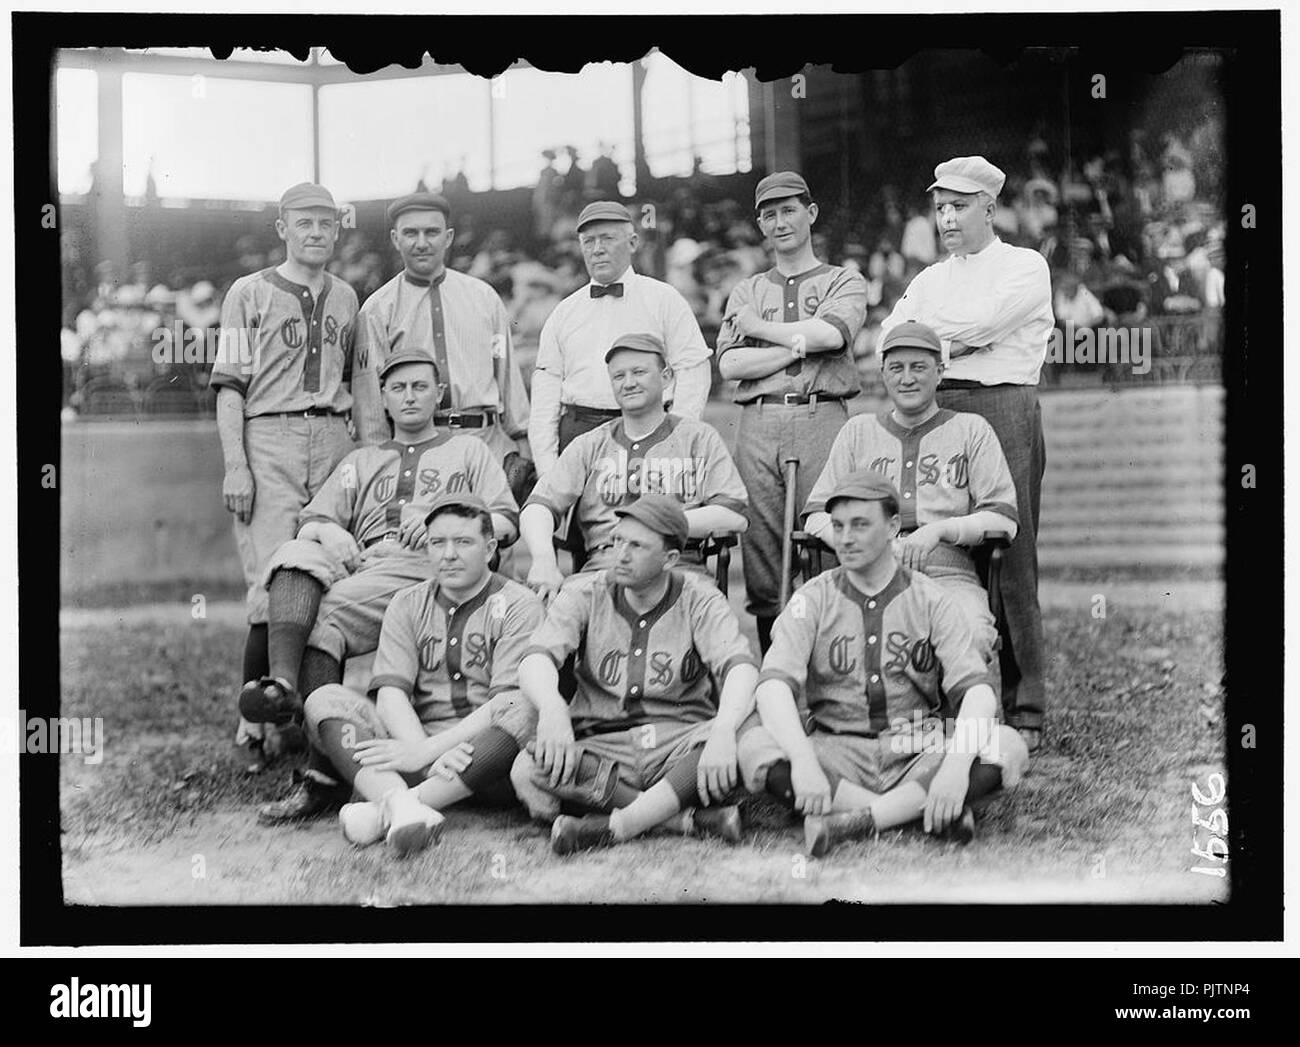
283, 379
787, 337
360, 541
948, 466
991, 305
457, 319
447, 666
902, 720
570, 391
664, 679
644, 450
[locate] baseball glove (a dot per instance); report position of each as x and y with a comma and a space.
521, 475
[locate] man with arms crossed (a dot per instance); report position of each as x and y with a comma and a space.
647, 739
903, 722
446, 667
788, 337
645, 450
991, 305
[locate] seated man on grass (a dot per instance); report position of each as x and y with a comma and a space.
360, 541
903, 723
646, 450
664, 679
447, 664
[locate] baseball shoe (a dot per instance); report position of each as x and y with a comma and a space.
269, 700
961, 831
542, 806
722, 823
362, 823
569, 834
411, 825
312, 795
821, 832
1033, 737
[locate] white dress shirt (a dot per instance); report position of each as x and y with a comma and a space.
571, 354
1000, 297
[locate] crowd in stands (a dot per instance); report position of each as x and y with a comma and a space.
1128, 237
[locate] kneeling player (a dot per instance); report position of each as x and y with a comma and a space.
903, 722
446, 669
644, 742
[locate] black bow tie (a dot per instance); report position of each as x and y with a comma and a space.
600, 290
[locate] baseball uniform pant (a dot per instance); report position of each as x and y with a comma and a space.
973, 600
290, 458
768, 435
336, 702
876, 764
353, 604
1015, 415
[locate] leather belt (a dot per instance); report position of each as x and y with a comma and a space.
379, 538
960, 383
798, 399
465, 419
311, 412
603, 412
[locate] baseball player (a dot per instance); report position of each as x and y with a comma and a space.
457, 319
991, 305
570, 390
949, 467
787, 336
664, 678
902, 719
358, 544
283, 379
644, 450
447, 664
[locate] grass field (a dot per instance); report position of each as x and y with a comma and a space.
167, 816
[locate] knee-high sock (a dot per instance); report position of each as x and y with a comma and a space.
778, 782
984, 779
293, 600
494, 753
318, 669
255, 664
906, 802
764, 625
657, 804
338, 739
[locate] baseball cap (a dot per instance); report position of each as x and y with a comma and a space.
911, 335
464, 500
779, 185
407, 356
968, 174
306, 194
417, 202
662, 514
641, 343
603, 211
865, 485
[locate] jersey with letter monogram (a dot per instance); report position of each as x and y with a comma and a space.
950, 465
864, 661
604, 470
641, 668
375, 488
826, 292
284, 350
449, 658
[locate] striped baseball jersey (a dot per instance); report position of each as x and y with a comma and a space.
603, 470
451, 658
864, 661
284, 350
461, 323
950, 465
375, 488
637, 668
827, 292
